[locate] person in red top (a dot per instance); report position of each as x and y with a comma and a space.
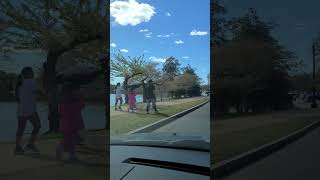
132, 100
71, 121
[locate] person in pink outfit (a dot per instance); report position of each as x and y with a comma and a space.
71, 121
132, 100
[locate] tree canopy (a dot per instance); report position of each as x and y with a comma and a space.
218, 26
171, 67
130, 67
251, 68
54, 26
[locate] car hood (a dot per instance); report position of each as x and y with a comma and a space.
185, 141
168, 149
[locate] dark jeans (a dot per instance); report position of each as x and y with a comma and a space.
118, 99
22, 122
153, 102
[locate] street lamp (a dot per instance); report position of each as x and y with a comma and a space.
315, 50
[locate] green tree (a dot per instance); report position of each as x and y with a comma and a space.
256, 72
171, 67
186, 84
195, 89
188, 69
217, 28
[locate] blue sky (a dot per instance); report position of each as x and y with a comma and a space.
158, 29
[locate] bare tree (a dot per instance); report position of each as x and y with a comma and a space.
128, 68
56, 27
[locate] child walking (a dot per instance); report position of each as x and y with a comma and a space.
118, 91
71, 121
27, 110
132, 100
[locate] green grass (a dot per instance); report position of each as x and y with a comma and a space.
231, 144
123, 122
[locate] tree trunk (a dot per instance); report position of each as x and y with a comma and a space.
144, 99
52, 91
125, 87
105, 65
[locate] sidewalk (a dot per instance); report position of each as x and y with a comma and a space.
45, 166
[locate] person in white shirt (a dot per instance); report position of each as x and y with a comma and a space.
118, 92
27, 110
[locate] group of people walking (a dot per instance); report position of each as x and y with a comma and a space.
149, 89
71, 122
71, 104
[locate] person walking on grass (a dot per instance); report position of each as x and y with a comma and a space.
150, 96
132, 99
27, 110
118, 92
71, 121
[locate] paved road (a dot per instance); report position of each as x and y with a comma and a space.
197, 122
297, 161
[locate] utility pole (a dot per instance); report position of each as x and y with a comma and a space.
314, 103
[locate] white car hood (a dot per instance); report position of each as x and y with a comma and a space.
120, 170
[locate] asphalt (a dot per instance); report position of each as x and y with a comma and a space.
299, 160
196, 122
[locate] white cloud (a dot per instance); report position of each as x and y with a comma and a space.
163, 36
185, 57
198, 33
124, 50
144, 30
168, 14
131, 12
113, 45
179, 42
157, 60
148, 35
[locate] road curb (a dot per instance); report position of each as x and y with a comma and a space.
153, 126
232, 165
